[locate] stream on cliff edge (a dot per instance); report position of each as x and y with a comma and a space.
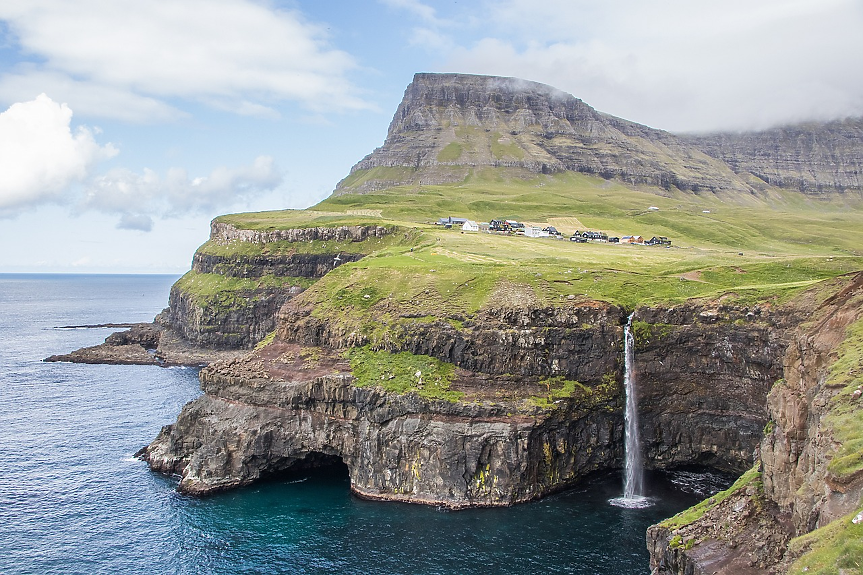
74, 500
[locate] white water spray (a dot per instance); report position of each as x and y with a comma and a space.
633, 496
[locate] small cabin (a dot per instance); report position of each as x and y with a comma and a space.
658, 241
470, 226
450, 222
535, 232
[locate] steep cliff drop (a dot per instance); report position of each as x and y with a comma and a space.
795, 510
633, 486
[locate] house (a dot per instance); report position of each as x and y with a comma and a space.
632, 240
552, 231
595, 236
535, 232
576, 237
470, 226
658, 241
449, 222
484, 227
613, 240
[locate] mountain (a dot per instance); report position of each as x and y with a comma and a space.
814, 158
450, 124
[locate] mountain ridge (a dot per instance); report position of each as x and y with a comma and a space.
450, 124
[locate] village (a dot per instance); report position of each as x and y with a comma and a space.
512, 227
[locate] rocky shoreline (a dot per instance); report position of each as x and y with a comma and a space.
145, 344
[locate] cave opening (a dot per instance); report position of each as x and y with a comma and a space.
314, 466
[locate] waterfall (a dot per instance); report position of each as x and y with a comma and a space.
633, 478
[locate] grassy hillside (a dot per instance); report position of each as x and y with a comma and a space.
755, 248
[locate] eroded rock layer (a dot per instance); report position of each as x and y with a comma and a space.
295, 401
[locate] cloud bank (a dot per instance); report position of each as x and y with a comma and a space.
132, 60
40, 156
43, 161
673, 64
134, 195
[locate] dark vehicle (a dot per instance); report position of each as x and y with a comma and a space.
578, 239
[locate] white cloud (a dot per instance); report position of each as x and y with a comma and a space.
136, 196
416, 8
43, 161
682, 65
147, 53
40, 156
141, 223
89, 98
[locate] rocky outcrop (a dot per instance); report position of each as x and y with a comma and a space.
240, 324
240, 316
146, 344
296, 265
222, 232
496, 446
267, 414
448, 124
703, 375
795, 487
815, 158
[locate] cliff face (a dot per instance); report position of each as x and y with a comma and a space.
210, 308
251, 422
448, 124
814, 158
703, 375
808, 476
511, 437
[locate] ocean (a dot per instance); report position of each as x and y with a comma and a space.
73, 499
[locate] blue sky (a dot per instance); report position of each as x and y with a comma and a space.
126, 126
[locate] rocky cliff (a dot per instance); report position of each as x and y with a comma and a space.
802, 496
814, 158
241, 278
449, 124
539, 402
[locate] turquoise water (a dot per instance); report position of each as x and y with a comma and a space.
74, 500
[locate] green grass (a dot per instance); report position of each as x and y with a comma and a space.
397, 373
395, 174
450, 153
833, 549
503, 151
218, 293
696, 512
268, 339
558, 389
845, 416
750, 251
